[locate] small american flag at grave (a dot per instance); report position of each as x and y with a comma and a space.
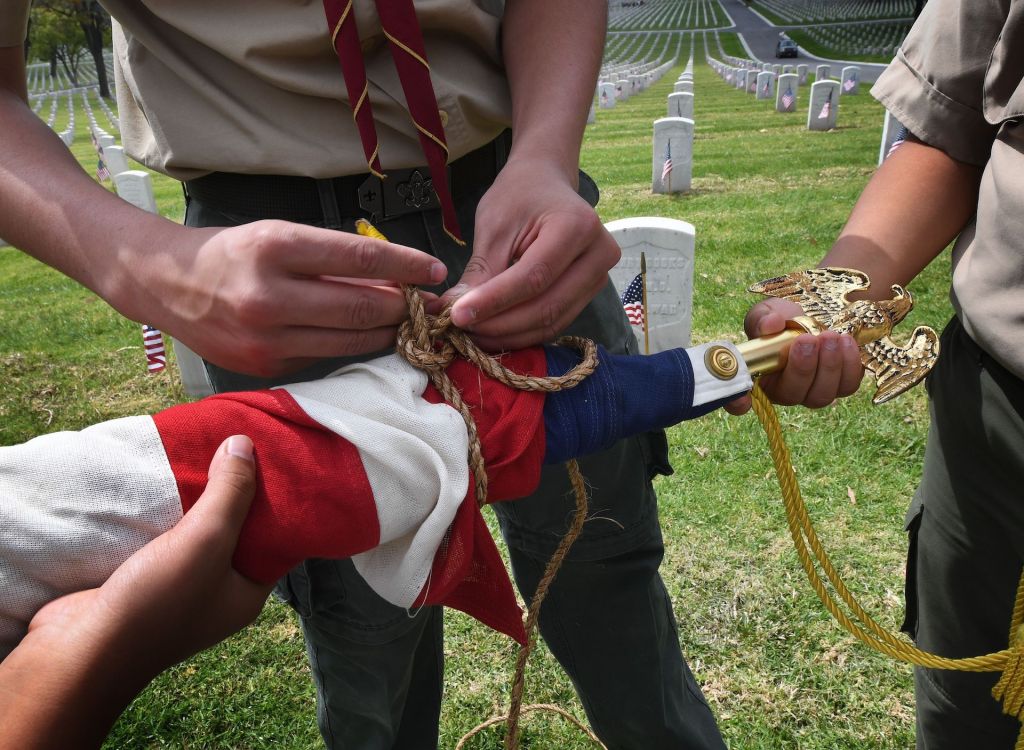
849, 84
153, 343
666, 168
788, 99
826, 108
633, 301
901, 137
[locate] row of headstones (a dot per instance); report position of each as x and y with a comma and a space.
668, 246
860, 39
623, 63
695, 14
822, 109
620, 86
94, 126
805, 11
672, 145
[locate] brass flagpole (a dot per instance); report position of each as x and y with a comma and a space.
643, 286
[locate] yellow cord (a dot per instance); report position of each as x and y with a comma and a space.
1010, 661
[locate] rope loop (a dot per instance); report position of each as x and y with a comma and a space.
429, 342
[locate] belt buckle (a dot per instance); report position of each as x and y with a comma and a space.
405, 191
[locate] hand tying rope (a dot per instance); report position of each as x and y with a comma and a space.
431, 343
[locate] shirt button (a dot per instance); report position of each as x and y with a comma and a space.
444, 118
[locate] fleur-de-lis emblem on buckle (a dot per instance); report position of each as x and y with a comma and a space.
417, 192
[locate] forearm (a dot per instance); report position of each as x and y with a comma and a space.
51, 209
914, 205
59, 691
552, 54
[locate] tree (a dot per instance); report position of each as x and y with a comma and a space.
93, 27
58, 39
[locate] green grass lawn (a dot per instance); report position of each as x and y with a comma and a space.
768, 197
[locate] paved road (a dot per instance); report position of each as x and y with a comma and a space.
761, 36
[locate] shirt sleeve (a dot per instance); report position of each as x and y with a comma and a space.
936, 84
13, 22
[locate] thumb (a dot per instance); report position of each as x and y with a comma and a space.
230, 488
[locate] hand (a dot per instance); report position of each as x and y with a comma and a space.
818, 369
88, 654
179, 594
540, 255
271, 297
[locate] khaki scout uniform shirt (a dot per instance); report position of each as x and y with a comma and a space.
957, 83
254, 86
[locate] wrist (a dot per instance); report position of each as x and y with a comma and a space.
545, 165
144, 252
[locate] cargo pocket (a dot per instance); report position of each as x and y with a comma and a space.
912, 526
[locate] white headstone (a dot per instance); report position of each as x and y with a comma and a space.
766, 85
116, 161
680, 105
105, 139
606, 94
136, 187
850, 80
668, 245
673, 141
892, 131
683, 87
824, 101
777, 70
785, 93
741, 79
591, 117
801, 74
822, 72
752, 81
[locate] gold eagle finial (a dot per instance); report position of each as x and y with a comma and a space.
823, 293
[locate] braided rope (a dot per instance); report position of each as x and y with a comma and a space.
430, 343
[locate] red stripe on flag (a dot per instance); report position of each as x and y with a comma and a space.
153, 343
313, 498
468, 572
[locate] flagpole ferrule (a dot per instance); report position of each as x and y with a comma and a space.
767, 354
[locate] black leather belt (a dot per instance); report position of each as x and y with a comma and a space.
300, 198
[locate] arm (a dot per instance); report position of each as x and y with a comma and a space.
532, 216
914, 205
250, 298
88, 654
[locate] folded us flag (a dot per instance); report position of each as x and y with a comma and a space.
368, 464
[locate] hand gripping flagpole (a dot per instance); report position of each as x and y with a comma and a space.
822, 292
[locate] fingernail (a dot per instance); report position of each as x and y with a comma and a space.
438, 272
463, 317
831, 344
847, 342
240, 446
806, 349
